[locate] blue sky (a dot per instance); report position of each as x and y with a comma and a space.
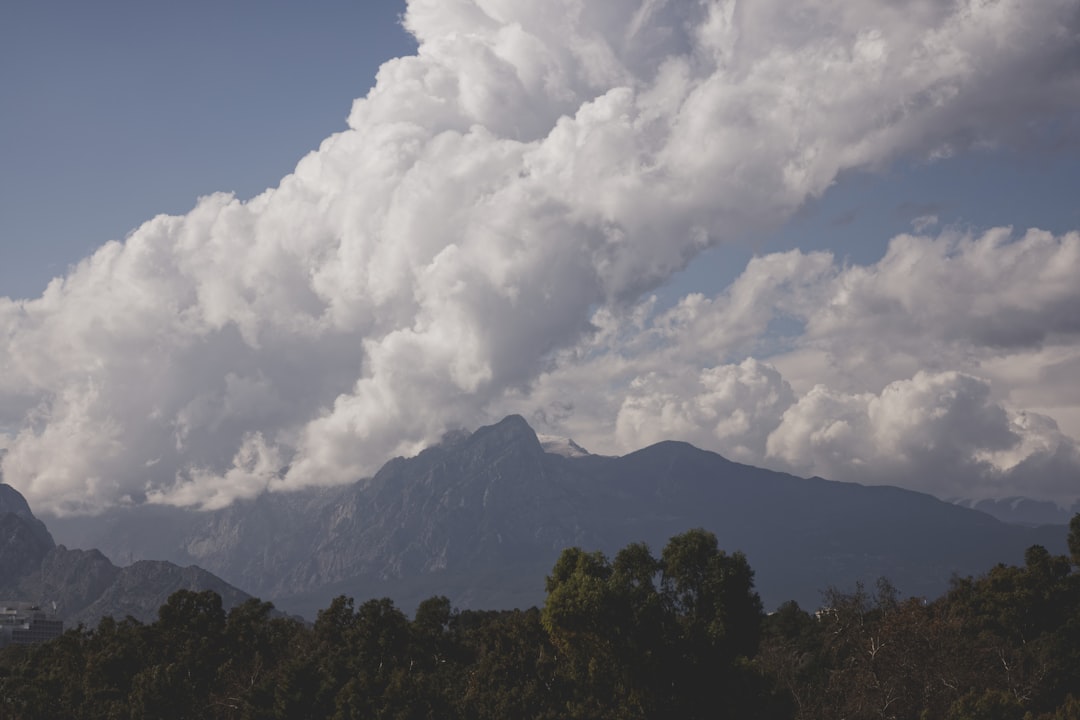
675, 222
863, 210
117, 111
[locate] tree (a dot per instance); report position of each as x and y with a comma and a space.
511, 670
717, 619
579, 618
377, 648
1074, 539
712, 594
188, 647
656, 638
258, 647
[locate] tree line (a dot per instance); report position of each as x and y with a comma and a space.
682, 635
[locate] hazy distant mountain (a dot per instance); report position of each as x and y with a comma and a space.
83, 585
1023, 511
482, 518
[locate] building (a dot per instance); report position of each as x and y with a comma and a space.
26, 624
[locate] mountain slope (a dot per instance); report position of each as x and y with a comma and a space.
482, 518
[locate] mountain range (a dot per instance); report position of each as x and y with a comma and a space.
482, 517
82, 586
1023, 510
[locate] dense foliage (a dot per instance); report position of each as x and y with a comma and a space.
679, 636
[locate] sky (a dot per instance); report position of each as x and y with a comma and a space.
251, 247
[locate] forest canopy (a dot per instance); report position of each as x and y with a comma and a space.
635, 636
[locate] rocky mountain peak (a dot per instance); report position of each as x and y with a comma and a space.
556, 445
21, 525
23, 545
511, 433
11, 501
504, 448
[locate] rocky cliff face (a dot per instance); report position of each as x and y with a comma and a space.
22, 548
24, 540
13, 503
482, 518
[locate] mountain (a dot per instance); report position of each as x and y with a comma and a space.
1022, 510
482, 518
14, 504
561, 446
83, 585
22, 546
24, 540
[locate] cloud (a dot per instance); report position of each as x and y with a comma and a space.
937, 420
940, 433
730, 406
993, 290
924, 222
522, 170
920, 370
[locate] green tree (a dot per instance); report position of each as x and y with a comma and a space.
656, 638
1074, 539
377, 645
259, 646
712, 594
512, 668
188, 647
579, 617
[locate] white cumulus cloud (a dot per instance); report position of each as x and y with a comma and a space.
929, 369
526, 167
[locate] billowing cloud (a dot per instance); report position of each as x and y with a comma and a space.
940, 433
920, 370
730, 406
937, 422
427, 265
934, 297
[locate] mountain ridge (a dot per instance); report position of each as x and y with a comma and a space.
482, 516
1019, 510
82, 586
